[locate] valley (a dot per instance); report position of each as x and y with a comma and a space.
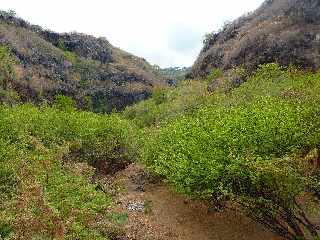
97, 143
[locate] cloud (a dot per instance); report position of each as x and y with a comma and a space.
166, 33
183, 39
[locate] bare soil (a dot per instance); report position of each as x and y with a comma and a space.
168, 215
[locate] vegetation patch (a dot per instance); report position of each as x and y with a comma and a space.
42, 195
248, 147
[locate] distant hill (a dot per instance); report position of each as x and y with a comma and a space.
283, 31
88, 69
172, 75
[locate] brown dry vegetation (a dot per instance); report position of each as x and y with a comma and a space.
73, 64
283, 31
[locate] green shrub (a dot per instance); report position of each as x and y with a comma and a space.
71, 57
159, 95
9, 97
214, 74
61, 45
7, 62
8, 183
169, 104
64, 103
5, 230
111, 139
39, 148
242, 148
86, 104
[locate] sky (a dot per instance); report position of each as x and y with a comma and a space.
168, 33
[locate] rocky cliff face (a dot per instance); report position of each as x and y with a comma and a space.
88, 69
283, 31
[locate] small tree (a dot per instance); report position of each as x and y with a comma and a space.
206, 38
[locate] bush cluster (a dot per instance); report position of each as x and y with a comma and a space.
168, 104
42, 195
249, 147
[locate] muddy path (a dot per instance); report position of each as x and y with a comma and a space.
157, 213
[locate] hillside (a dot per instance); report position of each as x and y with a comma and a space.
97, 75
232, 154
173, 75
253, 149
282, 31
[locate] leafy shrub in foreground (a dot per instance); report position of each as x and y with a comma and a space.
217, 137
41, 195
245, 150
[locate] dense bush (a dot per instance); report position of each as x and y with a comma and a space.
249, 147
64, 103
167, 104
42, 194
255, 146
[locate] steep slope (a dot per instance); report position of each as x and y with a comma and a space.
88, 69
283, 31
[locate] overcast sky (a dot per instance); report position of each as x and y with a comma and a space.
165, 32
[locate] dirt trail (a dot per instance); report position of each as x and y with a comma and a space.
169, 216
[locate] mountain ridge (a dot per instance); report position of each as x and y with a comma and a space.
77, 65
283, 31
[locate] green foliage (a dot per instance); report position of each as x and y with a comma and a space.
9, 96
269, 128
242, 147
119, 218
66, 192
7, 62
207, 38
5, 230
247, 146
214, 74
168, 104
8, 183
64, 103
71, 57
159, 95
111, 139
42, 189
88, 103
171, 73
61, 45
317, 238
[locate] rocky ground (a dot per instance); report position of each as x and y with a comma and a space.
158, 213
